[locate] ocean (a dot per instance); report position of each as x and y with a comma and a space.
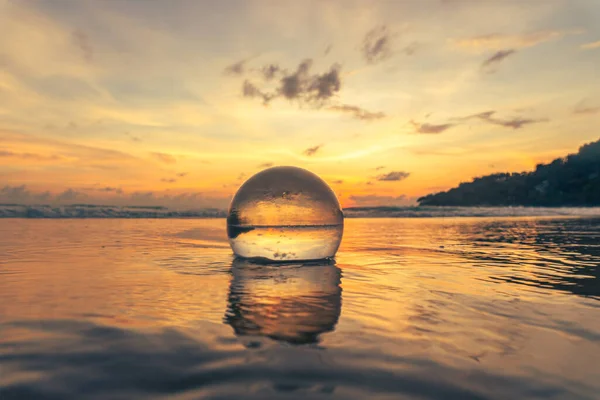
501, 307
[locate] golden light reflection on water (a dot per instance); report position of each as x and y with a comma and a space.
475, 291
291, 302
498, 295
140, 273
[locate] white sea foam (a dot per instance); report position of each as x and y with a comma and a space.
92, 211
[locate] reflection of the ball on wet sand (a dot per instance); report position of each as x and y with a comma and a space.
289, 302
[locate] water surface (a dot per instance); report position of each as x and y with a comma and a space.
464, 308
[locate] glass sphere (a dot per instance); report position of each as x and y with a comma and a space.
285, 214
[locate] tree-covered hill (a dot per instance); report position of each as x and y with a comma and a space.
570, 181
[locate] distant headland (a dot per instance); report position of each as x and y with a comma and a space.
571, 181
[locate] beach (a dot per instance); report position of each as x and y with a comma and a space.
436, 308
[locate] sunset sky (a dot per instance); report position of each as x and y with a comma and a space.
175, 103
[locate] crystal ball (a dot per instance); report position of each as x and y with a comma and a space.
285, 214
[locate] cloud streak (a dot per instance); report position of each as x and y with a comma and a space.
393, 176
14, 193
376, 46
82, 42
486, 116
237, 68
271, 71
592, 45
164, 157
28, 156
582, 110
411, 49
431, 128
497, 57
357, 112
514, 123
250, 90
311, 151
20, 194
70, 195
110, 189
497, 41
133, 137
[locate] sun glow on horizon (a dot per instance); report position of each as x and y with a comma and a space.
386, 101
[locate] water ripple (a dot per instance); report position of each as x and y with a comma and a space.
474, 308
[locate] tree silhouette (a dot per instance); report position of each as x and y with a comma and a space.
570, 181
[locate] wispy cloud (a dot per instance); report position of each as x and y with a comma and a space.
443, 151
250, 90
64, 87
497, 41
265, 165
337, 181
311, 151
411, 49
591, 45
517, 122
587, 110
63, 149
426, 128
357, 112
164, 157
133, 137
393, 176
110, 189
376, 46
514, 123
70, 195
271, 71
582, 108
82, 42
175, 178
15, 193
21, 194
237, 68
28, 156
497, 57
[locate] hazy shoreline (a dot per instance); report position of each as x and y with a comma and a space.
137, 212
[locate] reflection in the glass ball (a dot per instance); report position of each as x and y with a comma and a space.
293, 302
